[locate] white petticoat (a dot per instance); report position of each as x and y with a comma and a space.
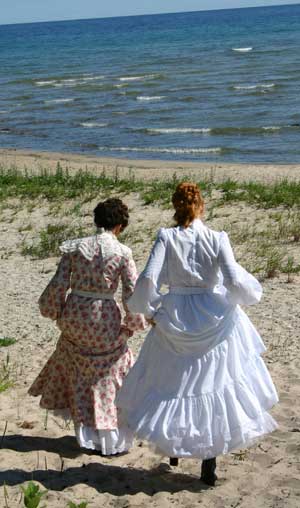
108, 442
190, 406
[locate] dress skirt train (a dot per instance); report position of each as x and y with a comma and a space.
203, 406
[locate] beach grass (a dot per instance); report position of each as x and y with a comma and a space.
282, 193
5, 374
263, 240
50, 239
62, 185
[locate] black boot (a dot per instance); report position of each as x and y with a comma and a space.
173, 461
208, 468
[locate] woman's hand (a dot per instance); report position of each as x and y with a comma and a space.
124, 330
150, 321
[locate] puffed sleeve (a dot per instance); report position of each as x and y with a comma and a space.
132, 321
146, 297
52, 300
242, 287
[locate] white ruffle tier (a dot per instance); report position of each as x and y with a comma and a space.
200, 407
108, 442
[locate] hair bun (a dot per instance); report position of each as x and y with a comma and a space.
111, 213
187, 201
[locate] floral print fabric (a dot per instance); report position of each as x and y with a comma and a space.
92, 357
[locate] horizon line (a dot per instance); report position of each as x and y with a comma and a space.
146, 14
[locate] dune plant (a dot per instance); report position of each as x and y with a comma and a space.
5, 374
293, 226
290, 268
6, 496
273, 259
267, 195
83, 504
7, 341
50, 239
32, 495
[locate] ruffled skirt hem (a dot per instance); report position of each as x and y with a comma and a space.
107, 442
189, 406
194, 445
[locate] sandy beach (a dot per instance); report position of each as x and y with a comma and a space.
147, 169
38, 446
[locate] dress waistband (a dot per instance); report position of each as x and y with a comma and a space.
189, 290
92, 294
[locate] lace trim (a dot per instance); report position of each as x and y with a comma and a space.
90, 246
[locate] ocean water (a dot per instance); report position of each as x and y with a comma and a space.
202, 86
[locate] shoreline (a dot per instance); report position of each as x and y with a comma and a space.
147, 169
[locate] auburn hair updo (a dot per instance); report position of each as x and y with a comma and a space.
188, 203
111, 213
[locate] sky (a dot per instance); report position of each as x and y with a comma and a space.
26, 11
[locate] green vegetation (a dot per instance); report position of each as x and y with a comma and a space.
83, 504
62, 185
32, 495
160, 191
5, 374
50, 239
283, 193
6, 341
263, 242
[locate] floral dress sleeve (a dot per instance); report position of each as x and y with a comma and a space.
52, 300
129, 276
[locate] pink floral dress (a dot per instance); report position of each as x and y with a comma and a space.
91, 358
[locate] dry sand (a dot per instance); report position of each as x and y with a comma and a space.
44, 449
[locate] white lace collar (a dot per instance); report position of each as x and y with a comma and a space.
90, 246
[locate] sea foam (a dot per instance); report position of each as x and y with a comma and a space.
261, 86
46, 83
61, 82
271, 128
150, 98
58, 101
242, 50
184, 130
139, 78
91, 125
161, 150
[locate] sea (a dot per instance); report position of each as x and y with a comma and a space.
219, 86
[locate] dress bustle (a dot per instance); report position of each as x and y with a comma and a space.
199, 387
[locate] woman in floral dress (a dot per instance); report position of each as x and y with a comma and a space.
91, 358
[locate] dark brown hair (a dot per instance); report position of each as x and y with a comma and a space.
188, 203
111, 213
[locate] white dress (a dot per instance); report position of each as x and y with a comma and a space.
199, 387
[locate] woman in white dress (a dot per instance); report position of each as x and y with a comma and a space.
199, 387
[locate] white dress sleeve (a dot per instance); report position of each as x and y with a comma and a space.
146, 297
242, 287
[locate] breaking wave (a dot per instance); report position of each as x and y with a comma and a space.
140, 78
150, 98
259, 86
91, 125
242, 50
162, 150
176, 130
